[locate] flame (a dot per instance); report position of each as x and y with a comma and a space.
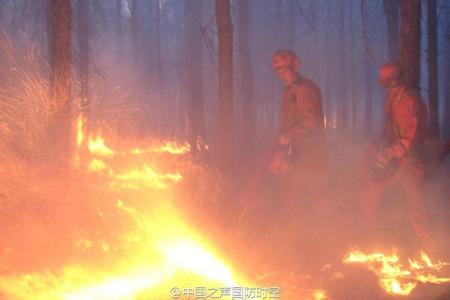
395, 278
158, 250
320, 295
145, 177
167, 147
80, 131
97, 146
96, 165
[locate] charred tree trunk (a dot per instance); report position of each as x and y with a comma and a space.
157, 45
193, 70
368, 116
446, 123
49, 17
391, 9
316, 36
225, 35
410, 14
134, 20
134, 31
290, 19
354, 109
342, 69
84, 53
119, 27
247, 86
61, 75
433, 69
329, 102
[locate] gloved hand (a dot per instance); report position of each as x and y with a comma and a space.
381, 167
279, 162
283, 140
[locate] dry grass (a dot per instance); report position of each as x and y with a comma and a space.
25, 106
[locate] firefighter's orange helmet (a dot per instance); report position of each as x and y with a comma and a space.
390, 72
285, 58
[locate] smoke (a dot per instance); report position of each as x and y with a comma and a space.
25, 107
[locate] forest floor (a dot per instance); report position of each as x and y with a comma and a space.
99, 235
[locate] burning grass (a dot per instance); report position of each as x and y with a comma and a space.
120, 231
396, 278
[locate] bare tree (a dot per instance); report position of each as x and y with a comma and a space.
352, 79
119, 27
410, 14
433, 69
83, 13
61, 73
343, 67
247, 86
391, 9
446, 118
134, 19
157, 45
193, 68
225, 33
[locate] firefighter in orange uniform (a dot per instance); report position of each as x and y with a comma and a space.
299, 153
398, 158
301, 142
445, 151
300, 158
287, 177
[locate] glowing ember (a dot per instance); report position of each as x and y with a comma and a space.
145, 177
96, 165
395, 278
97, 147
319, 295
80, 130
167, 147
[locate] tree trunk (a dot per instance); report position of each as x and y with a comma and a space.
433, 70
157, 41
84, 53
330, 105
391, 9
61, 75
247, 86
193, 69
368, 116
352, 80
225, 36
342, 83
410, 14
290, 19
446, 122
134, 20
119, 28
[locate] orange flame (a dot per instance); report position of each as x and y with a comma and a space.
97, 146
167, 147
158, 250
394, 278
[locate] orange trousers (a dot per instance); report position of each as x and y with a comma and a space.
410, 179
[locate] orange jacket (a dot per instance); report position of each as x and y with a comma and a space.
445, 151
302, 111
406, 122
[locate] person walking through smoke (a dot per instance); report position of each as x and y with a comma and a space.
398, 159
298, 158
